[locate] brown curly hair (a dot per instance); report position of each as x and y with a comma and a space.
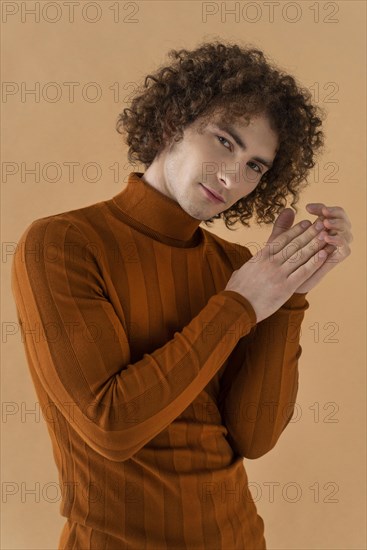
236, 82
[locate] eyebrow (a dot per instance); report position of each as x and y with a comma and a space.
232, 132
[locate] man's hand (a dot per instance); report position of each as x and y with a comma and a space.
336, 237
280, 269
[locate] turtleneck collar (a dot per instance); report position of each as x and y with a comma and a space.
155, 214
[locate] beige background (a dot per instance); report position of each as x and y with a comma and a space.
317, 469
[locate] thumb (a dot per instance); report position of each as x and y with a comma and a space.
283, 222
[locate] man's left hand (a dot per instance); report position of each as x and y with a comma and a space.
337, 237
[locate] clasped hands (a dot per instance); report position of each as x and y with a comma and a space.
336, 237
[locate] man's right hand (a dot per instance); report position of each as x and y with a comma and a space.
270, 277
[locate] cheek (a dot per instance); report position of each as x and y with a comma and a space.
207, 152
250, 177
208, 165
246, 190
211, 164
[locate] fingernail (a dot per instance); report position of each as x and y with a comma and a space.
319, 225
305, 223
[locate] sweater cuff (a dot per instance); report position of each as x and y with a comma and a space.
244, 301
296, 301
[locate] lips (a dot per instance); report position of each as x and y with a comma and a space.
216, 195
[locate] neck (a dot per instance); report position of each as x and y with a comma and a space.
155, 214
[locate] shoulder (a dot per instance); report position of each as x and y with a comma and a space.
77, 222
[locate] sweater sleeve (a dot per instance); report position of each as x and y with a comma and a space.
79, 349
260, 383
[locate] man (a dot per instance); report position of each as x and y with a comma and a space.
167, 354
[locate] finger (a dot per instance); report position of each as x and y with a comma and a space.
306, 270
342, 249
329, 248
340, 226
284, 221
298, 256
335, 223
324, 266
286, 236
315, 207
335, 239
336, 212
291, 241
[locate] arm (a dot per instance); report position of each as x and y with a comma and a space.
79, 349
260, 383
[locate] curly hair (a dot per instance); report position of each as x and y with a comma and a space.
236, 82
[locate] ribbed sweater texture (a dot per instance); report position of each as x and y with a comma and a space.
155, 383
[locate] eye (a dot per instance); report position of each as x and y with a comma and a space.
221, 137
259, 171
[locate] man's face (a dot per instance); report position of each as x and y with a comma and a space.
212, 159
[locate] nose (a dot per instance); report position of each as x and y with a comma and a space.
229, 180
235, 178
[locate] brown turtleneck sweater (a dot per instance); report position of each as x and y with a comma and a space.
154, 382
